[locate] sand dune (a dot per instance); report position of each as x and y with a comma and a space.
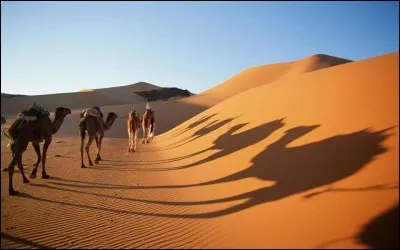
309, 160
123, 97
261, 75
186, 108
78, 100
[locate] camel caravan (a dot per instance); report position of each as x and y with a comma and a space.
35, 126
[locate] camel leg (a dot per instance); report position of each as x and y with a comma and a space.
130, 140
10, 169
46, 145
100, 143
36, 146
98, 158
153, 128
144, 133
148, 134
21, 169
82, 143
134, 140
12, 147
91, 138
96, 161
17, 156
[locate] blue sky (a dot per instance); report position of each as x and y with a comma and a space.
57, 47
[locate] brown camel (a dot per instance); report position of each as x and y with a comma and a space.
133, 129
35, 131
47, 142
148, 124
95, 127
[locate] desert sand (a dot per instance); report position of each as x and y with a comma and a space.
302, 154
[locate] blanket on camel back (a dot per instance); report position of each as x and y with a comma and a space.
91, 112
33, 113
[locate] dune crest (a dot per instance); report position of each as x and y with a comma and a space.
313, 63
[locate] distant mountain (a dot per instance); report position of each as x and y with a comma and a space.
119, 95
4, 95
164, 94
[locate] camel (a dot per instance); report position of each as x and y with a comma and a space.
36, 146
148, 124
36, 130
47, 142
133, 125
95, 127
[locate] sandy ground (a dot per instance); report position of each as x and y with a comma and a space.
307, 159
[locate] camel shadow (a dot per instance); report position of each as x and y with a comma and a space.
22, 241
315, 164
294, 170
196, 135
228, 143
194, 124
111, 186
383, 231
300, 168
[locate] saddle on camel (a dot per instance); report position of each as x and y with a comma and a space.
27, 116
93, 112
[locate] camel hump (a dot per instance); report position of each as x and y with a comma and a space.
33, 113
134, 113
92, 113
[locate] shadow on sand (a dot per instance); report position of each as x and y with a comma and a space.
227, 143
196, 135
294, 169
382, 232
22, 241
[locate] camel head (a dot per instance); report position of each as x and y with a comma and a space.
61, 112
134, 114
3, 120
112, 116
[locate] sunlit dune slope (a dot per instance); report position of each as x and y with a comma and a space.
296, 156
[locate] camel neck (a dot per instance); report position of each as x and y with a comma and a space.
108, 124
57, 124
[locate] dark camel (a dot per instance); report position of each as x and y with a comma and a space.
35, 131
148, 125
